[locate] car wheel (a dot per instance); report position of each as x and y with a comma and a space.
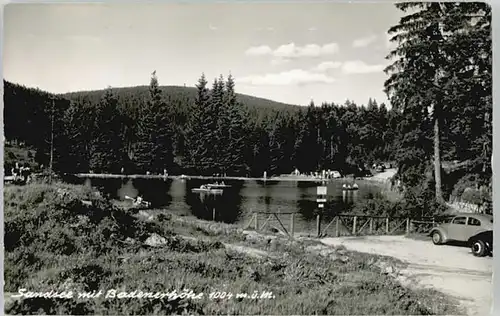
437, 239
479, 248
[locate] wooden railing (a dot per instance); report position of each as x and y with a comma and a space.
344, 224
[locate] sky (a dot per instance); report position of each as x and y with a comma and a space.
287, 52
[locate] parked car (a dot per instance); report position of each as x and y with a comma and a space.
461, 228
482, 244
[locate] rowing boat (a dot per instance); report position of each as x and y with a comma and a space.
208, 190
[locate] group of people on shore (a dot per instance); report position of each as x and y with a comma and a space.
21, 173
323, 174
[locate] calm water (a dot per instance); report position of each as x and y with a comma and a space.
237, 203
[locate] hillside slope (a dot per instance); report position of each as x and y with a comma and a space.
171, 93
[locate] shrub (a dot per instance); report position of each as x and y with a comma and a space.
377, 205
52, 221
469, 181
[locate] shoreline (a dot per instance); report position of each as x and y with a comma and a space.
381, 177
161, 177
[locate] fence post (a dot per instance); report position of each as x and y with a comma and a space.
318, 225
407, 226
371, 225
354, 225
256, 221
292, 219
337, 227
387, 225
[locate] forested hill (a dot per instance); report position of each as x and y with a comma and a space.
172, 94
208, 129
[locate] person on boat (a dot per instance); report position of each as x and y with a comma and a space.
223, 183
138, 200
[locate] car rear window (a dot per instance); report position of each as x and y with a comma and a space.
473, 222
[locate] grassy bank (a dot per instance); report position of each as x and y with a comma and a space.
55, 242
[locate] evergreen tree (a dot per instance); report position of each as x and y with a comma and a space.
218, 142
77, 137
153, 148
468, 48
162, 152
200, 131
234, 131
435, 80
106, 148
415, 84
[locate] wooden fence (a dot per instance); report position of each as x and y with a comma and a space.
343, 224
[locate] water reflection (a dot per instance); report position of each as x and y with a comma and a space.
349, 196
155, 191
238, 202
225, 206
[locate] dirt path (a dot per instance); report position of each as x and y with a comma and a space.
449, 269
383, 176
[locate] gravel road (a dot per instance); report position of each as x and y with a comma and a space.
451, 270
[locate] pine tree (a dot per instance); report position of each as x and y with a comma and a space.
415, 84
468, 48
218, 142
154, 139
435, 79
106, 145
163, 130
234, 131
200, 131
143, 156
77, 137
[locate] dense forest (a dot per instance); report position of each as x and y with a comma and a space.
205, 132
439, 87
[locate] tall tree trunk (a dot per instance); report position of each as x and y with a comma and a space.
437, 162
331, 153
51, 161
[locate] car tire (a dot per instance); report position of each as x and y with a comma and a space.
437, 238
479, 248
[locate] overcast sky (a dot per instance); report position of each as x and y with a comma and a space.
288, 52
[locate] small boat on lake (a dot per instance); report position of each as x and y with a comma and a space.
133, 204
207, 189
214, 191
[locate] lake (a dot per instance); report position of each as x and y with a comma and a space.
237, 203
